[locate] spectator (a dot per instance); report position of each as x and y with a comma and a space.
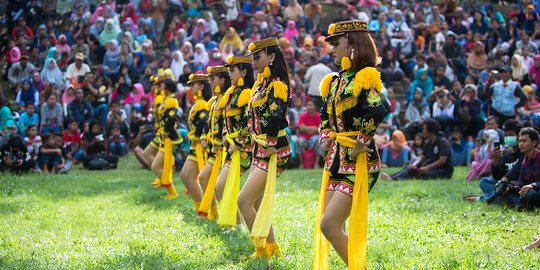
200, 57
417, 147
95, 148
398, 30
32, 141
435, 161
308, 136
506, 96
14, 156
19, 71
117, 116
423, 82
461, 148
38, 84
313, 78
471, 109
111, 60
62, 46
96, 91
28, 118
78, 68
481, 166
80, 47
52, 116
28, 94
177, 64
396, 153
117, 143
416, 113
519, 70
51, 74
72, 142
80, 110
109, 33
445, 111
67, 162
50, 156
534, 70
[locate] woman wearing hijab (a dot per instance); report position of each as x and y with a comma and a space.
215, 58
180, 39
212, 24
519, 70
323, 47
97, 27
416, 113
28, 94
396, 152
397, 29
422, 81
51, 74
62, 45
138, 64
481, 166
111, 59
534, 71
232, 38
132, 26
198, 32
477, 60
109, 33
177, 64
200, 57
128, 12
226, 52
291, 32
187, 51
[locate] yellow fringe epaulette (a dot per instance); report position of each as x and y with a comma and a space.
199, 105
280, 90
225, 99
210, 102
171, 103
367, 79
158, 100
325, 84
244, 97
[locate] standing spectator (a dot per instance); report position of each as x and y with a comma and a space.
435, 161
78, 68
308, 136
313, 78
80, 110
396, 153
20, 71
28, 118
506, 96
117, 143
52, 116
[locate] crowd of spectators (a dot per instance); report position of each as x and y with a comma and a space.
76, 75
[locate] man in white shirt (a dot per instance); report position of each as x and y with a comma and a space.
314, 76
78, 68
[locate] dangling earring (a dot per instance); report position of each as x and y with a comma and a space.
217, 89
267, 73
240, 82
199, 94
345, 60
352, 54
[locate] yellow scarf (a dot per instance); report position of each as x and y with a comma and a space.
168, 162
206, 202
359, 213
263, 220
228, 206
198, 151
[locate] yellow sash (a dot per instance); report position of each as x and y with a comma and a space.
206, 202
198, 151
168, 162
228, 206
359, 213
263, 220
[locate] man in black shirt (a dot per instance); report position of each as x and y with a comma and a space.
436, 158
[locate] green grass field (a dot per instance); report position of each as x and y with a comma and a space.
115, 220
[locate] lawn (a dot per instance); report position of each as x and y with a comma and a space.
115, 220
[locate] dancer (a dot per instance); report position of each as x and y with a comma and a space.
152, 148
211, 140
170, 139
237, 141
353, 109
197, 119
268, 113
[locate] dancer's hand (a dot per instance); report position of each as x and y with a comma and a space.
325, 144
204, 144
359, 148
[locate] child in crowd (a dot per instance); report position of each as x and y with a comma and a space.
28, 118
72, 142
33, 141
67, 163
417, 147
50, 156
117, 143
481, 166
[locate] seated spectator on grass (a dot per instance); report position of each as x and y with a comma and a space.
96, 156
417, 147
28, 94
416, 113
435, 161
481, 166
117, 116
14, 156
117, 143
396, 152
492, 122
32, 141
67, 163
308, 136
28, 118
50, 155
80, 110
72, 142
461, 148
52, 116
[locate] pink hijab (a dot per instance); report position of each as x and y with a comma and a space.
291, 31
62, 45
138, 93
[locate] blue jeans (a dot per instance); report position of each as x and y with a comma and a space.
118, 149
487, 184
54, 130
79, 155
100, 112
